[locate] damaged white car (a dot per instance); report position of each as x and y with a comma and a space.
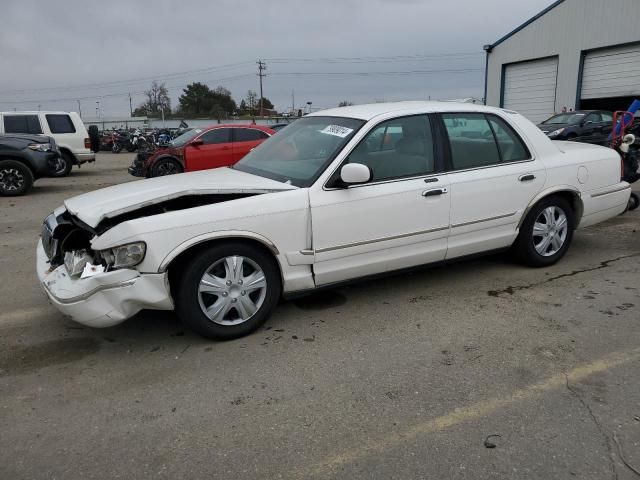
337, 195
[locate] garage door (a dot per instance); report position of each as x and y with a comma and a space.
613, 72
530, 88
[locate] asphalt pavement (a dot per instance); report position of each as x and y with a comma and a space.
476, 370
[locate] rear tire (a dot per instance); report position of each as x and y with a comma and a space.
546, 233
634, 201
15, 178
228, 291
65, 164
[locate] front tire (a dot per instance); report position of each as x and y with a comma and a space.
228, 291
65, 163
166, 166
15, 178
546, 233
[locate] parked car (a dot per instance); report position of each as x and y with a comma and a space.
588, 126
318, 204
23, 159
278, 126
67, 128
200, 149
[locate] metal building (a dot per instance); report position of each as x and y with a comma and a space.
578, 54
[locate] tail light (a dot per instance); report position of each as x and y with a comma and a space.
87, 143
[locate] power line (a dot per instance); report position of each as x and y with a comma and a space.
120, 94
211, 69
88, 86
367, 74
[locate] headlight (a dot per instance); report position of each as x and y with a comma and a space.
123, 256
555, 133
40, 147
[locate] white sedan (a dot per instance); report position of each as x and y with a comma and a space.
337, 195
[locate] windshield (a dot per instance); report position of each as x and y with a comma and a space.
299, 153
564, 118
185, 137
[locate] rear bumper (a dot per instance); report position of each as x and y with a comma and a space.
105, 299
605, 203
85, 157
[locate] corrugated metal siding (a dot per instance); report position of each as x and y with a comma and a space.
567, 30
611, 73
530, 88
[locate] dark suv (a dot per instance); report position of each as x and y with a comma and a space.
23, 159
589, 126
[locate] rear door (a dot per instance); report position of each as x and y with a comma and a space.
493, 177
215, 150
244, 139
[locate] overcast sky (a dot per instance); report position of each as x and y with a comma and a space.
324, 51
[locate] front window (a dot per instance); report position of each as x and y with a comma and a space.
301, 152
183, 139
398, 148
565, 118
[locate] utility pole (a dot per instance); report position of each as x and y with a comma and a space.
130, 106
79, 108
293, 103
261, 67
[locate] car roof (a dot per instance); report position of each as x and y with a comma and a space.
33, 112
236, 125
369, 111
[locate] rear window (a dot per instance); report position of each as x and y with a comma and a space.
22, 124
248, 135
60, 123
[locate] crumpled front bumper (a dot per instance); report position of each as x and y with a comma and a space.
105, 299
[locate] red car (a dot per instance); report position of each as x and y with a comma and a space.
201, 149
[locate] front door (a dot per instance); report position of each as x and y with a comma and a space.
399, 219
493, 179
245, 139
214, 151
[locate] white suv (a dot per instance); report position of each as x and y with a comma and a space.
66, 128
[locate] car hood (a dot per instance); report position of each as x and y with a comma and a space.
555, 126
93, 207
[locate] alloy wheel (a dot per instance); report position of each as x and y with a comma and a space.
232, 290
550, 231
167, 168
11, 179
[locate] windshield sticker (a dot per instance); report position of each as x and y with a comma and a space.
336, 130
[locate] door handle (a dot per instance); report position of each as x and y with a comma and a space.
226, 148
434, 192
527, 178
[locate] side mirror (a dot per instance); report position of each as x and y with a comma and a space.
196, 143
588, 122
355, 173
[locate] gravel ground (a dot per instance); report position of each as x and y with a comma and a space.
403, 377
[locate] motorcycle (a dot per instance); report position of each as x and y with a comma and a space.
630, 153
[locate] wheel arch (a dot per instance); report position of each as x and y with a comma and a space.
568, 192
174, 262
68, 152
165, 156
17, 158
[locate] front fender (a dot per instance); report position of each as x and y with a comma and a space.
223, 234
